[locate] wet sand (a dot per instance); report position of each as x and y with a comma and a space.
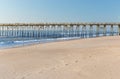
92, 58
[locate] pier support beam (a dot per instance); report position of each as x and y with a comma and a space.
112, 33
91, 31
68, 30
119, 29
104, 28
84, 35
97, 30
78, 30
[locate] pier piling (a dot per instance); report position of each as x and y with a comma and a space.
57, 30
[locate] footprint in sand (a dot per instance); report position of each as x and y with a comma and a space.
23, 78
53, 68
40, 72
28, 74
76, 61
66, 64
90, 56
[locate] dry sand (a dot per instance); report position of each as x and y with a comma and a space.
94, 58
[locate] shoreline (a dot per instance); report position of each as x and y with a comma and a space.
50, 41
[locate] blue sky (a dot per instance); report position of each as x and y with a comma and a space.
59, 11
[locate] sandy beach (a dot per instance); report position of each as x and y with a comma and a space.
92, 58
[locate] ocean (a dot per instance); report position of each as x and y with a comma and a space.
21, 38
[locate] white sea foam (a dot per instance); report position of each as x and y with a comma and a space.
6, 42
13, 43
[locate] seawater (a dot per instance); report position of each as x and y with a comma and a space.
13, 41
6, 42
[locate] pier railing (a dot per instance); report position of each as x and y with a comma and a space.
59, 30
